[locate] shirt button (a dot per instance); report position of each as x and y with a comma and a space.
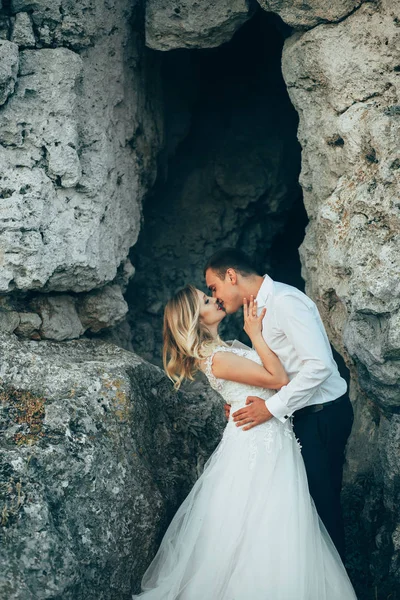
286, 417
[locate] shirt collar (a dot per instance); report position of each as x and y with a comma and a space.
264, 291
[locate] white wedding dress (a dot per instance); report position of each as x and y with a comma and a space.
248, 530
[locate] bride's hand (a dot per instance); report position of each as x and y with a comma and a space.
252, 323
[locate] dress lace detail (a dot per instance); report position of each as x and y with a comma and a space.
268, 437
215, 382
233, 511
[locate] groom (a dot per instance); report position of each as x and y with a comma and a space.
316, 394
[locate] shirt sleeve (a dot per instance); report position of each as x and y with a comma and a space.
303, 327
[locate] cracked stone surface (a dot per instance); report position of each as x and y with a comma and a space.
102, 308
344, 82
192, 24
81, 127
232, 172
9, 61
22, 31
78, 139
59, 316
304, 15
187, 24
349, 130
96, 453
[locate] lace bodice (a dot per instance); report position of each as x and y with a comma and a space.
235, 393
266, 437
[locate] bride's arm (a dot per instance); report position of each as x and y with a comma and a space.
227, 365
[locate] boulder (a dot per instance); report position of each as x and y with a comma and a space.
191, 24
97, 451
102, 308
304, 15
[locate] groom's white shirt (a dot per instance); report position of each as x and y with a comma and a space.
293, 329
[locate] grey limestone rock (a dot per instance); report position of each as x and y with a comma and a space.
125, 273
29, 325
22, 31
78, 141
61, 23
65, 316
96, 453
304, 15
343, 80
59, 315
102, 308
9, 321
188, 24
9, 61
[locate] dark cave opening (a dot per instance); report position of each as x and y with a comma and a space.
228, 175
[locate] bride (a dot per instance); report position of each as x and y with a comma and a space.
248, 530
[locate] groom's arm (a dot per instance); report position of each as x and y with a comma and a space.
301, 323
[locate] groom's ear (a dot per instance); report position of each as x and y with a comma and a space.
231, 276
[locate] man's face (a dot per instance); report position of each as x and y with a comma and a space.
225, 290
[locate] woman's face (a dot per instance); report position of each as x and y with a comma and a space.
211, 312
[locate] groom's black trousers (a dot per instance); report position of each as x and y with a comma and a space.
323, 436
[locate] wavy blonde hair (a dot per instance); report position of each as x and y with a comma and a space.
186, 339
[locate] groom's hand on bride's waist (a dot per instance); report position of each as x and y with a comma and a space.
254, 413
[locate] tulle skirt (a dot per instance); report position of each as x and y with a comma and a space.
248, 530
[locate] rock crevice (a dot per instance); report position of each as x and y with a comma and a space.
97, 130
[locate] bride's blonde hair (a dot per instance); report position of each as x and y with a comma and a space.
186, 339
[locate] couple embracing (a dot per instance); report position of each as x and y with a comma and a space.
263, 521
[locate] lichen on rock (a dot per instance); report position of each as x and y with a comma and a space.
96, 453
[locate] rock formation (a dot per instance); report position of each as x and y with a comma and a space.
96, 452
182, 24
343, 80
77, 112
92, 123
229, 171
304, 15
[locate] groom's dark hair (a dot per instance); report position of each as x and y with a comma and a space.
230, 258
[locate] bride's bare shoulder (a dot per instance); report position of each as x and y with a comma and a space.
218, 355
